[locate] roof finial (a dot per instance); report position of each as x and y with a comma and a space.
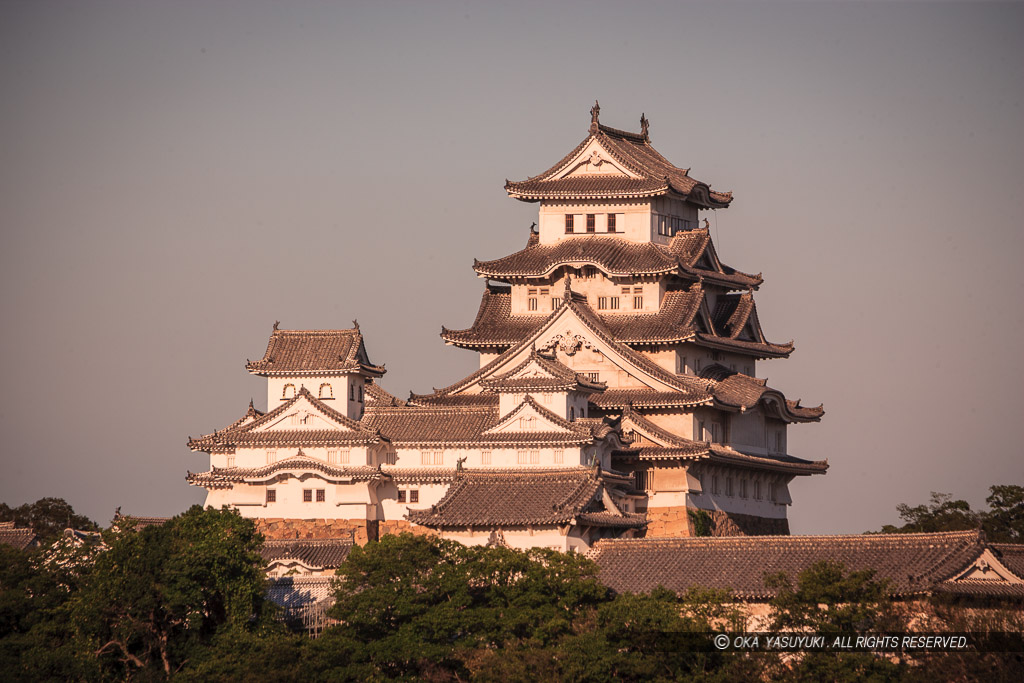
644, 125
532, 226
276, 323
568, 288
355, 324
595, 111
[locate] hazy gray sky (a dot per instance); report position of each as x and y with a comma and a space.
174, 177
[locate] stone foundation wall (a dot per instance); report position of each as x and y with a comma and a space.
676, 522
360, 530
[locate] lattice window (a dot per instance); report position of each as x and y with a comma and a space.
307, 495
326, 391
521, 457
345, 456
568, 223
485, 457
321, 495
534, 457
591, 222
271, 496
559, 456
611, 222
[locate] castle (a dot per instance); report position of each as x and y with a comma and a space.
617, 394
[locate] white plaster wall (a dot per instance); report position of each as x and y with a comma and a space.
521, 539
258, 457
343, 501
632, 219
339, 384
501, 457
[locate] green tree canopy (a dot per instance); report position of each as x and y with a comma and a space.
48, 517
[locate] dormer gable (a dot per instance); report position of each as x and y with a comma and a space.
529, 417
593, 160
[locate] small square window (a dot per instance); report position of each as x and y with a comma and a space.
307, 495
271, 496
321, 495
414, 496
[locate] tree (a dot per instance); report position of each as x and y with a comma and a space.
48, 517
941, 514
159, 594
828, 600
1004, 521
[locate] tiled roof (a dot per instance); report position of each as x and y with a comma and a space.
314, 352
484, 399
321, 553
430, 425
618, 257
19, 538
481, 498
551, 375
669, 446
1011, 555
657, 176
495, 327
222, 477
911, 563
736, 390
246, 432
139, 522
376, 395
648, 398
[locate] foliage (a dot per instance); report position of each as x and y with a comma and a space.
703, 524
1002, 522
158, 594
48, 517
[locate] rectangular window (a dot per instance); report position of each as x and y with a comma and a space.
728, 486
591, 222
743, 488
425, 457
307, 495
531, 303
271, 496
532, 291
544, 291
485, 457
401, 496
701, 431
534, 457
271, 457
715, 485
438, 457
414, 496
715, 432
638, 302
757, 490
321, 495
602, 303
521, 457
556, 304
345, 456
559, 456
642, 479
231, 461
611, 222
332, 457
613, 303
592, 376
568, 222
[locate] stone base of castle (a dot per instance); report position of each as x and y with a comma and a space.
360, 530
678, 522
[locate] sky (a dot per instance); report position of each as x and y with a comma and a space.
175, 177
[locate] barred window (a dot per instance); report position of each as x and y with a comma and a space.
534, 457
231, 461
743, 488
401, 496
531, 303
485, 457
613, 303
611, 222
568, 222
638, 302
592, 376
521, 457
307, 495
414, 496
602, 303
556, 303
321, 495
728, 486
271, 457
332, 457
271, 496
642, 479
559, 456
591, 222
345, 455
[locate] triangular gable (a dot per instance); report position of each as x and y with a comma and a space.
593, 159
656, 436
530, 417
987, 567
303, 412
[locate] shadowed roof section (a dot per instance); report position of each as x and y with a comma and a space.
321, 553
618, 257
18, 538
655, 175
314, 352
480, 498
912, 564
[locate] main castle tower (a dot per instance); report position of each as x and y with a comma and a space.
617, 393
